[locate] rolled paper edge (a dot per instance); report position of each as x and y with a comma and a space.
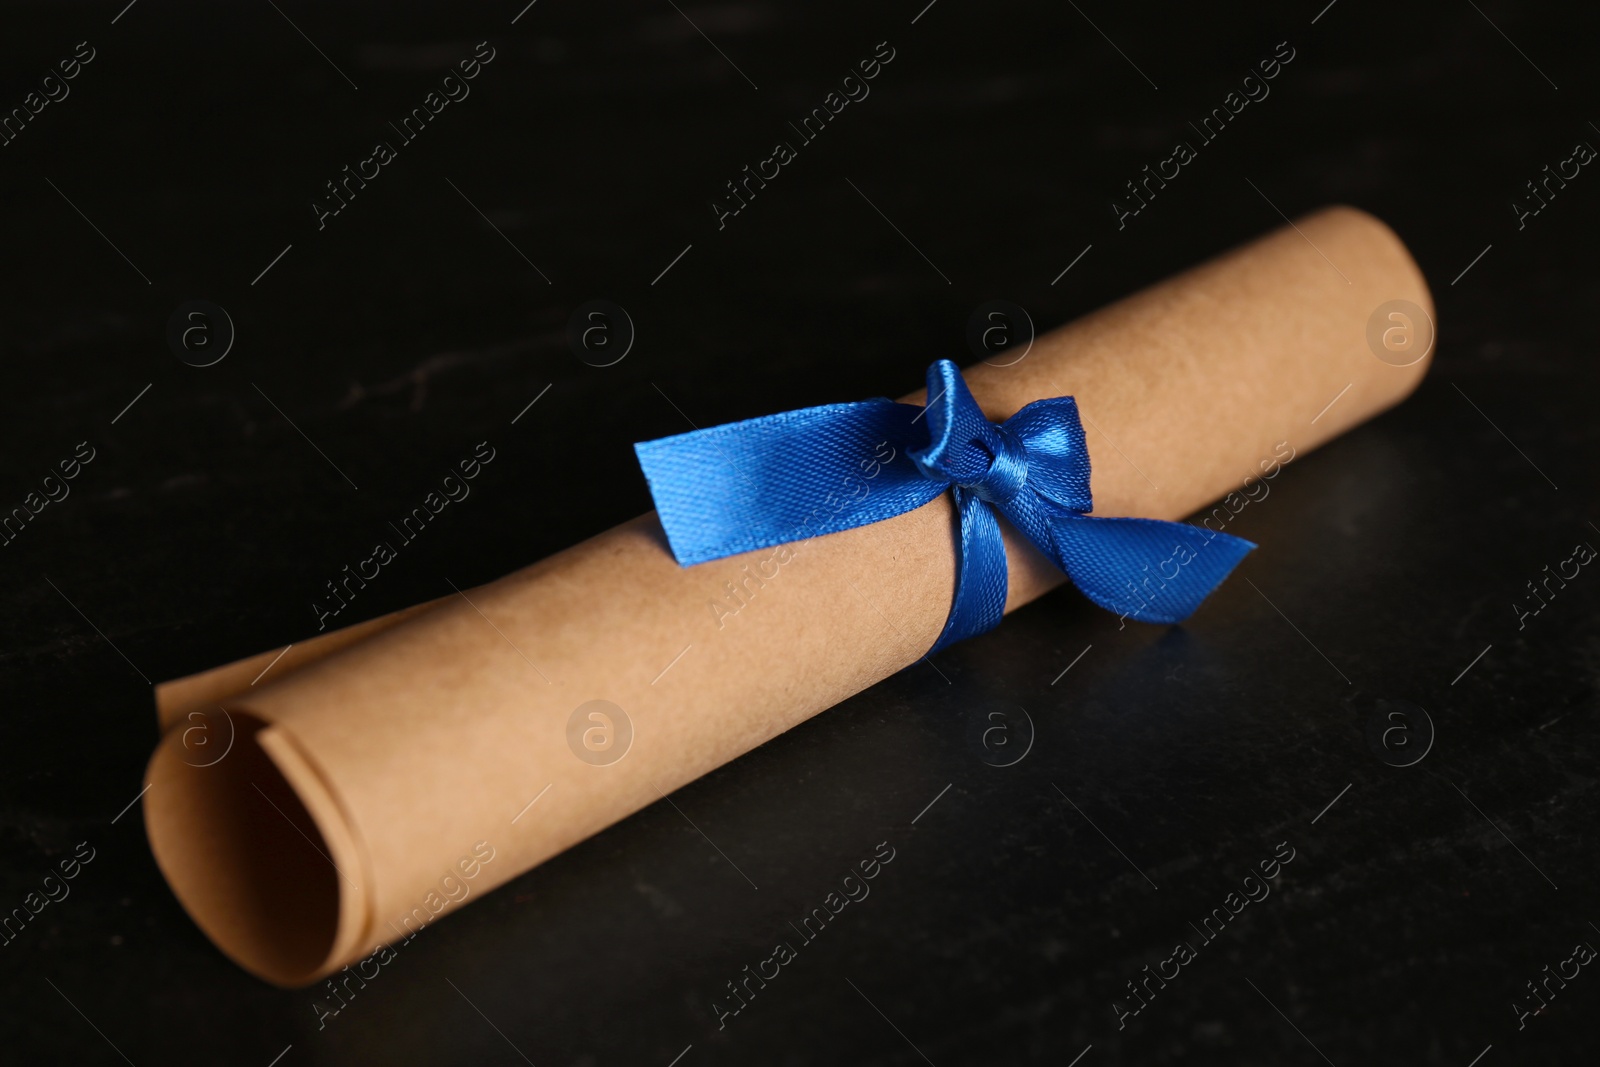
208, 690
190, 808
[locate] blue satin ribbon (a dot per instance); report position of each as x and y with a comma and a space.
784, 478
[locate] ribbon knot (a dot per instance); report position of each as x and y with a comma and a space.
1004, 462
783, 478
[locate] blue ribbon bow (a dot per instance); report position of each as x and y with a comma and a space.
779, 479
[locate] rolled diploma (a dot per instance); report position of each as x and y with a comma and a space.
367, 767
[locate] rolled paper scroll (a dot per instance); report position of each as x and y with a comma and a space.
382, 775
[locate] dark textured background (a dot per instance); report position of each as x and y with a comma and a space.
1417, 906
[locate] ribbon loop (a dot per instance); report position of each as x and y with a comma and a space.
961, 442
783, 478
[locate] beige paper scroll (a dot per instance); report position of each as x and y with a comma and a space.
370, 770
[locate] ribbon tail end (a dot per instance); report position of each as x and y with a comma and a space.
1145, 569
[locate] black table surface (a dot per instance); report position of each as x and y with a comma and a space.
182, 163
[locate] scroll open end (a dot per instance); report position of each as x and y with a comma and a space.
255, 848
